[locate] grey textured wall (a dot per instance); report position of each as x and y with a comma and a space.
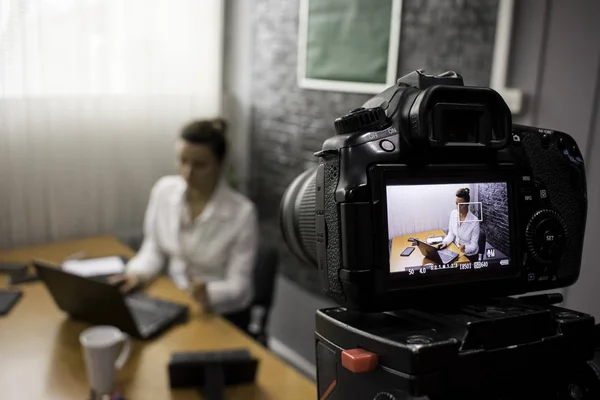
494, 199
442, 35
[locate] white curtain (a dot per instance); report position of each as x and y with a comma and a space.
418, 208
92, 94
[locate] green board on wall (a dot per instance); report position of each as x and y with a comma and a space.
348, 43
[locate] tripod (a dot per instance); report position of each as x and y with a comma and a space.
499, 349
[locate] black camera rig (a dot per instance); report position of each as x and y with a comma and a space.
436, 321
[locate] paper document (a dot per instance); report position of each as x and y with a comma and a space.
95, 266
435, 239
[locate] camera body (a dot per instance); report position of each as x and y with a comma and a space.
386, 183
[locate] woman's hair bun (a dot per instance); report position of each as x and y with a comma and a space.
210, 132
219, 124
464, 194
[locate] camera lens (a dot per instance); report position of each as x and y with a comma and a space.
297, 217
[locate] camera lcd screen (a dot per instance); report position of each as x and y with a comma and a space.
454, 228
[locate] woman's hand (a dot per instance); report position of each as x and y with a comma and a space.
442, 246
126, 282
462, 248
198, 292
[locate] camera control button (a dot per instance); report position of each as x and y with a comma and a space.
569, 149
546, 139
387, 145
562, 143
546, 236
516, 138
551, 240
527, 196
361, 119
359, 360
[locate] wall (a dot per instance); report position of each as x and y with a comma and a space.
442, 35
555, 62
237, 78
494, 199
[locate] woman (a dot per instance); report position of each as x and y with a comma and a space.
463, 228
203, 229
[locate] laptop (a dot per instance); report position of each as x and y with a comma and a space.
444, 256
100, 303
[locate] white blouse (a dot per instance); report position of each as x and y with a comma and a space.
219, 246
466, 232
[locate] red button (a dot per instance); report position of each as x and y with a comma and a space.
359, 360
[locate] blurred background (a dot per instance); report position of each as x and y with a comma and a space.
93, 94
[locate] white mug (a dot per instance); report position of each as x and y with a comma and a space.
105, 350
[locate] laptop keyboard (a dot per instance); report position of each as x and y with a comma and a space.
447, 255
149, 312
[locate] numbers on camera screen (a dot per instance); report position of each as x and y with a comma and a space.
416, 271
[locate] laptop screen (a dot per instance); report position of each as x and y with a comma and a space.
455, 228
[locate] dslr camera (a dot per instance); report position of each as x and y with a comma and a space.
386, 186
429, 207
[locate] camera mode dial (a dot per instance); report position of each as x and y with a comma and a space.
361, 119
546, 235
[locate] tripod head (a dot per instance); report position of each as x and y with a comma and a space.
501, 349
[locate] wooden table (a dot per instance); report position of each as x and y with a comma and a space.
399, 243
40, 356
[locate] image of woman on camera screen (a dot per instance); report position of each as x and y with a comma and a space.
463, 227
